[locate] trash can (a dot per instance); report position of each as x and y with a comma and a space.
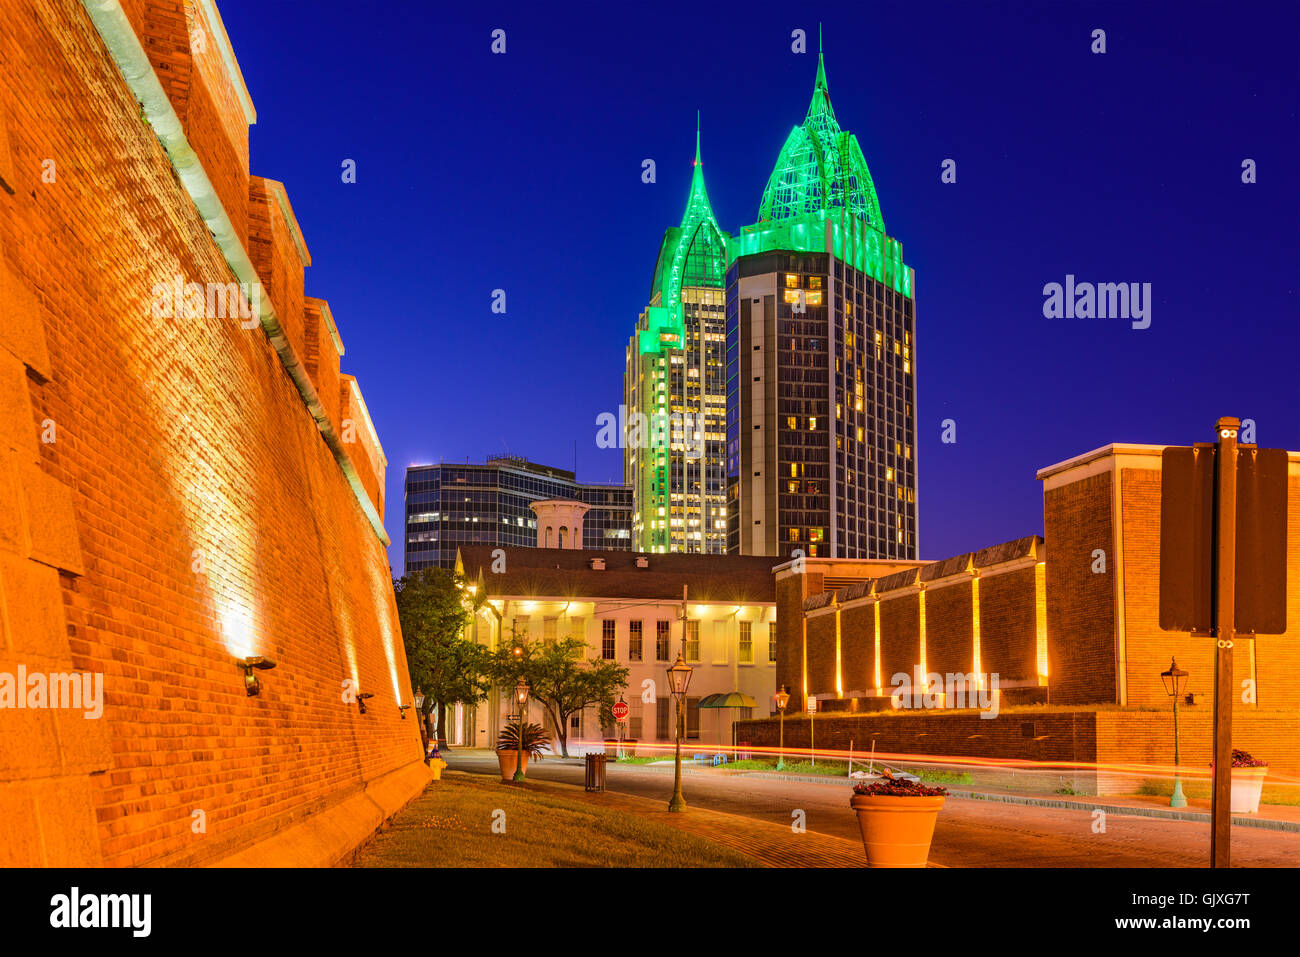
595, 772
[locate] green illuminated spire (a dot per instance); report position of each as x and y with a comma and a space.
821, 167
821, 98
692, 254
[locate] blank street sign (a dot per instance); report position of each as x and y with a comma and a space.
1187, 547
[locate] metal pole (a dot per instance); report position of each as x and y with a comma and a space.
780, 761
519, 761
678, 803
1178, 799
1225, 566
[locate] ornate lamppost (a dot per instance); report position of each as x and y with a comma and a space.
782, 701
679, 679
521, 699
1175, 680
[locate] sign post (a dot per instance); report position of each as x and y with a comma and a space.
1223, 556
1225, 567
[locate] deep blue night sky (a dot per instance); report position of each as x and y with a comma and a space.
477, 171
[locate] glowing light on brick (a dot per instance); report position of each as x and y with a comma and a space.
975, 631
839, 680
880, 683
1040, 619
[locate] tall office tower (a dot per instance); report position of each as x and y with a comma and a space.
821, 360
450, 505
673, 389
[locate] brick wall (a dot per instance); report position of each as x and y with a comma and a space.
788, 629
949, 629
900, 635
187, 511
858, 647
1008, 625
1080, 603
821, 653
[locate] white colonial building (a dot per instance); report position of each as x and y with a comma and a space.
628, 607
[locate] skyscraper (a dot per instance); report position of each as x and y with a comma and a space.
673, 388
821, 360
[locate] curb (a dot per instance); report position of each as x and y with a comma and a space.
1197, 817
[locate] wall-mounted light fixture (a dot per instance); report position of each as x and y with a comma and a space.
251, 683
361, 700
402, 708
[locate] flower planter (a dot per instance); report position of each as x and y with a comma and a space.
1247, 783
436, 765
508, 760
896, 831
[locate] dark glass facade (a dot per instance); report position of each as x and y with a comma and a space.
463, 504
821, 410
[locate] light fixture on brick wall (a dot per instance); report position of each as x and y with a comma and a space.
402, 709
361, 700
251, 682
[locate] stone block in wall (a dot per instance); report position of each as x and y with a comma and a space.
17, 428
22, 844
31, 604
51, 520
21, 331
7, 184
69, 832
12, 537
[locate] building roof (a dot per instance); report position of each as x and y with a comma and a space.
567, 573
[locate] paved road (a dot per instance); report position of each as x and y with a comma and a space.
970, 833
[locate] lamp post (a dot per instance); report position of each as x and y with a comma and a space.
782, 700
1175, 680
521, 698
679, 679
419, 716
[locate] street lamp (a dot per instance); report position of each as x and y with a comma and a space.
521, 698
1175, 680
782, 701
679, 679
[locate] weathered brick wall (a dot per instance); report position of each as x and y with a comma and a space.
858, 647
1080, 603
900, 635
186, 513
949, 630
1008, 626
821, 653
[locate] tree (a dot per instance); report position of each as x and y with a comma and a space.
559, 678
434, 607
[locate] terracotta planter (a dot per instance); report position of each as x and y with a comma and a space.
1247, 783
507, 760
896, 831
436, 765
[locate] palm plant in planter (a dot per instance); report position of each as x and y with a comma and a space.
897, 818
535, 742
1247, 781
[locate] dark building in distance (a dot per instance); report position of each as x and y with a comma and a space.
450, 505
821, 360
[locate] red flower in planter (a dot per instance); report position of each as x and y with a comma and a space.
1241, 759
897, 787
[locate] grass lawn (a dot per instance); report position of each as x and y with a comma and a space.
451, 825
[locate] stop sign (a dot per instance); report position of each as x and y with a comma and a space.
621, 711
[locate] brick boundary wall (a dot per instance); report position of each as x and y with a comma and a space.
167, 502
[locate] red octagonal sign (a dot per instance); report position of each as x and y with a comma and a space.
621, 710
